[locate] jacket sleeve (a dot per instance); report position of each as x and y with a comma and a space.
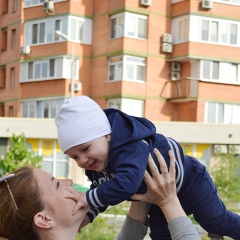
180, 162
93, 212
128, 164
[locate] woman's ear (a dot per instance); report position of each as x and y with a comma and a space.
43, 221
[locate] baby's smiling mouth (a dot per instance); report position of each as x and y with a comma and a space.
91, 165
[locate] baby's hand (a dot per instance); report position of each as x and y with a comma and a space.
78, 197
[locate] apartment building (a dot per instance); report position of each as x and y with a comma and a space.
166, 60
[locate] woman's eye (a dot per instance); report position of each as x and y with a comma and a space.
58, 184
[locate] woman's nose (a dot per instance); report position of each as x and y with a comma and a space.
66, 182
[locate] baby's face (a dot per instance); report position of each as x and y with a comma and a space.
92, 155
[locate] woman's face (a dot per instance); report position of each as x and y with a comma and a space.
52, 193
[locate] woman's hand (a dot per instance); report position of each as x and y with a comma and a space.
78, 197
161, 188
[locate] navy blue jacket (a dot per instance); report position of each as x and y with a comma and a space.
132, 140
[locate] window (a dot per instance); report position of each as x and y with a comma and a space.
41, 108
233, 33
4, 40
233, 2
117, 27
4, 6
15, 5
12, 77
224, 33
44, 32
214, 31
39, 69
77, 29
129, 106
2, 77
215, 70
48, 69
14, 38
210, 70
54, 160
183, 30
206, 69
35, 33
233, 72
11, 111
41, 33
229, 71
222, 113
127, 68
30, 3
206, 29
129, 25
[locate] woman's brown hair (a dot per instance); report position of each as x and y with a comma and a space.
18, 224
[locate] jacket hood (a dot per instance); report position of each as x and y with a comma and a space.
126, 128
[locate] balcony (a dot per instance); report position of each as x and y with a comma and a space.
180, 90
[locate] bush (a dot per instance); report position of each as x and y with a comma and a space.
98, 230
18, 156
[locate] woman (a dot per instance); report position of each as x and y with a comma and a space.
34, 205
41, 211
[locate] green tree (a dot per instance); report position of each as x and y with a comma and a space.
226, 176
18, 156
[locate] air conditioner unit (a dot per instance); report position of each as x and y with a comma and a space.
207, 4
167, 47
25, 50
175, 66
220, 149
48, 5
175, 76
77, 86
167, 38
146, 2
234, 149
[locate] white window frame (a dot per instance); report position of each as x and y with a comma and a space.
228, 73
33, 3
129, 106
124, 30
59, 71
81, 32
125, 66
210, 70
35, 108
222, 112
229, 2
222, 31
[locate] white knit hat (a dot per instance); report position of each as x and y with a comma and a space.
80, 120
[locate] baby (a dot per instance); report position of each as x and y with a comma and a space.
114, 147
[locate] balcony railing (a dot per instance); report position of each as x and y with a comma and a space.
180, 89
